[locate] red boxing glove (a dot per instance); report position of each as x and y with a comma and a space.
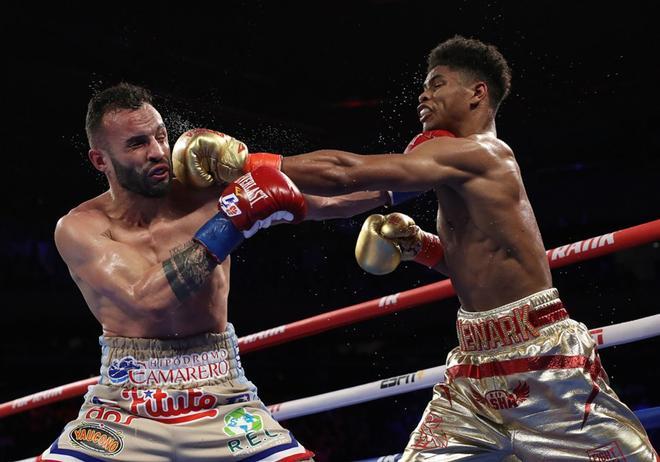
250, 203
425, 136
257, 198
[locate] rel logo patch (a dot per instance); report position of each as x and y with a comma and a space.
240, 422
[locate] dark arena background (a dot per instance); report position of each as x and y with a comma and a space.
291, 77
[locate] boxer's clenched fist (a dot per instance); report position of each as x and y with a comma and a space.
254, 201
202, 157
386, 240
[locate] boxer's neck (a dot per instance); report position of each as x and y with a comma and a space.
135, 208
482, 123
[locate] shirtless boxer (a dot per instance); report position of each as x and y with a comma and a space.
150, 257
525, 382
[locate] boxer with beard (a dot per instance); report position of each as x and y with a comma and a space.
151, 259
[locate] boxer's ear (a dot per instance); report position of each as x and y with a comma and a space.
98, 160
479, 91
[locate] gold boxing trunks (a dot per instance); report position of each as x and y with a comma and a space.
526, 384
167, 400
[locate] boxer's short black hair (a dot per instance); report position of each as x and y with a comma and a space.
478, 59
121, 96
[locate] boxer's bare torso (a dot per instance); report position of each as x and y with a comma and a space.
494, 253
116, 259
493, 250
492, 245
130, 250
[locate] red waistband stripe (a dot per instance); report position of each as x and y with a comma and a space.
516, 366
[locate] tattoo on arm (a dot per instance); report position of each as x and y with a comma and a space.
187, 269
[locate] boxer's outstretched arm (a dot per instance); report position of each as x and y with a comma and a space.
438, 161
121, 274
344, 206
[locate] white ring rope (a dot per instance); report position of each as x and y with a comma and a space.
617, 334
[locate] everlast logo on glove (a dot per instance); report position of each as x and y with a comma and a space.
252, 192
245, 187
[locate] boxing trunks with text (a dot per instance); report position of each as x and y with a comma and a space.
165, 400
526, 384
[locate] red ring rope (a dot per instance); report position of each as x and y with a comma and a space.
558, 257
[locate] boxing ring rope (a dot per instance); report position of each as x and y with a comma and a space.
561, 256
607, 336
617, 334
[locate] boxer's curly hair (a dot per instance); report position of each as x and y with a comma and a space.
121, 96
478, 60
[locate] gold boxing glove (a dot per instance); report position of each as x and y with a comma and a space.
386, 240
202, 157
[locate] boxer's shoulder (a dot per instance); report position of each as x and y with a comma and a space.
88, 220
468, 156
491, 145
90, 212
481, 154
